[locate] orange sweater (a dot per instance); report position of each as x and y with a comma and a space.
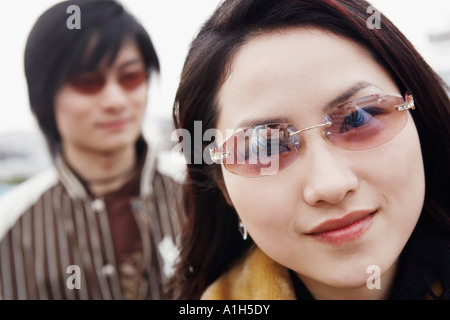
258, 277
255, 277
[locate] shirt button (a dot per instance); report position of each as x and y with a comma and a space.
108, 269
97, 205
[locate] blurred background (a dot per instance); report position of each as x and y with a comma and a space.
172, 24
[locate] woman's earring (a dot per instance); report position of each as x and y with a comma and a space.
243, 230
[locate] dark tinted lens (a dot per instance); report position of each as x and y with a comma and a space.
87, 83
132, 79
93, 82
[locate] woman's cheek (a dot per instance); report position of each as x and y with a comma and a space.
397, 177
261, 207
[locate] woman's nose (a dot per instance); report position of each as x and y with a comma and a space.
329, 176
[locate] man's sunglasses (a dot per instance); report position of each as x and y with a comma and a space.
93, 82
360, 124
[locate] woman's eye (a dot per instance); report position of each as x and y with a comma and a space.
256, 143
269, 142
358, 118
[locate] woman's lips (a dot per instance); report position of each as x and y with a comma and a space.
345, 229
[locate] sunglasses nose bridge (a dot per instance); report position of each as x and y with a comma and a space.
322, 125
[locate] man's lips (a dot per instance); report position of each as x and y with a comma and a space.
348, 228
113, 125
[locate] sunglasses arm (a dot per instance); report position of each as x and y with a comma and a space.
217, 156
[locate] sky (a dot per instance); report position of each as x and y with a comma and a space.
172, 24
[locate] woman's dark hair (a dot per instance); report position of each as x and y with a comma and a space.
211, 241
54, 52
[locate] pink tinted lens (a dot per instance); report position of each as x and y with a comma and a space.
366, 122
262, 150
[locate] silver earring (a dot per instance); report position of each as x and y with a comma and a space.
243, 230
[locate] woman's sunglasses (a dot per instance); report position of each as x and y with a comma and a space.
93, 82
360, 124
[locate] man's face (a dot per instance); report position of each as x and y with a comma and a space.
102, 110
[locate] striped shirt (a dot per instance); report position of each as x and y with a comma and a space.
56, 240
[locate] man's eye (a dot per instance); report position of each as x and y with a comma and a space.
87, 83
133, 79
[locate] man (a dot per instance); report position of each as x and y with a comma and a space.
103, 222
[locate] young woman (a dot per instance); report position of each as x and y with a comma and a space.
331, 173
102, 224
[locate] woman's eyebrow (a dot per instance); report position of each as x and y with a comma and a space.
347, 94
260, 121
343, 97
